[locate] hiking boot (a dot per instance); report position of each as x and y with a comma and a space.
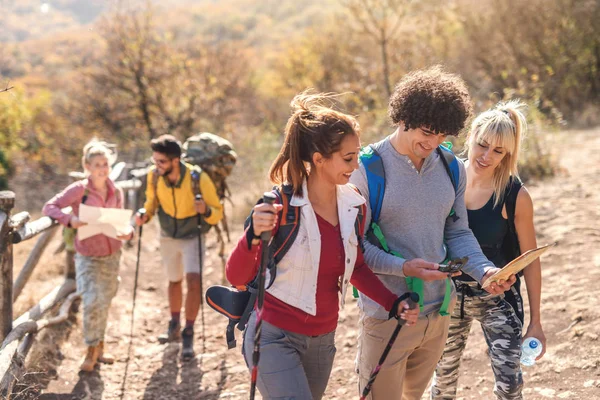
187, 348
90, 359
173, 333
103, 357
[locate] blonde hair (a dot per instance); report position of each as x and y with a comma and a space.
501, 126
96, 147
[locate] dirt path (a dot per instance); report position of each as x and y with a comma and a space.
567, 210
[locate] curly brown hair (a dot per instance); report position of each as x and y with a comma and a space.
431, 98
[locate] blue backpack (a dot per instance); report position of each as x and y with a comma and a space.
375, 172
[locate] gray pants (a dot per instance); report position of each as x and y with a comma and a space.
291, 366
97, 283
502, 330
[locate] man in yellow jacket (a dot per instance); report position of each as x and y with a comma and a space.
170, 194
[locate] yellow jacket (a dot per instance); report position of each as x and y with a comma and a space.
174, 204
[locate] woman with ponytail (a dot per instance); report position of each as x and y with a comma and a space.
500, 213
301, 307
97, 258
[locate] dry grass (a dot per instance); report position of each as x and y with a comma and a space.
45, 353
43, 360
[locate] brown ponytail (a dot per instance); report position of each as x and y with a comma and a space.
312, 128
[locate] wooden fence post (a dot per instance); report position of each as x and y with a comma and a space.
7, 202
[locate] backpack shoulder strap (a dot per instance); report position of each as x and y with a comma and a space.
359, 223
510, 197
511, 243
195, 172
288, 230
450, 164
155, 177
86, 193
371, 160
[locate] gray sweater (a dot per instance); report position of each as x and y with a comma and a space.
415, 223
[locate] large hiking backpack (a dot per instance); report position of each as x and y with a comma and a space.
375, 173
214, 155
237, 303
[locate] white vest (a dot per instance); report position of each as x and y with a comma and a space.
296, 281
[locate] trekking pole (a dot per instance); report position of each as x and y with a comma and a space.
412, 300
265, 236
201, 262
141, 212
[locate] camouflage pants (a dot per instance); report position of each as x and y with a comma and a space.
502, 330
97, 283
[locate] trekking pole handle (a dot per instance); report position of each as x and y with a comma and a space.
268, 198
140, 213
413, 302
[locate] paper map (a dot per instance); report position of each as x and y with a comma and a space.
111, 222
517, 264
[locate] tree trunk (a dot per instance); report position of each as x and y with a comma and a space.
386, 67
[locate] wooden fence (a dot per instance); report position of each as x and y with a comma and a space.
18, 335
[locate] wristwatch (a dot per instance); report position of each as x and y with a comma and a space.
208, 212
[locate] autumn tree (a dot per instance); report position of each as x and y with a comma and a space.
381, 20
148, 83
548, 52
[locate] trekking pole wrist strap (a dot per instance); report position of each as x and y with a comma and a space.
394, 310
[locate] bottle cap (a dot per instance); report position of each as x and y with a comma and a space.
533, 344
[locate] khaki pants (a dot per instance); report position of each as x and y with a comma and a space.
410, 363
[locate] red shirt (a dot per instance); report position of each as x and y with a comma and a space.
243, 265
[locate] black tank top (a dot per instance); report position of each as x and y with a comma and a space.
490, 229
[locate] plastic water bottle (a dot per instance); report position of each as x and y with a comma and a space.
530, 349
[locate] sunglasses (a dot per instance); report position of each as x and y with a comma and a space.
161, 162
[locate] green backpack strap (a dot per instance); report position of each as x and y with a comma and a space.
448, 291
414, 284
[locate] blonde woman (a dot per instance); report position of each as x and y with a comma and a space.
500, 212
97, 258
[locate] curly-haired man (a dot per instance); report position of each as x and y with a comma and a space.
423, 222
